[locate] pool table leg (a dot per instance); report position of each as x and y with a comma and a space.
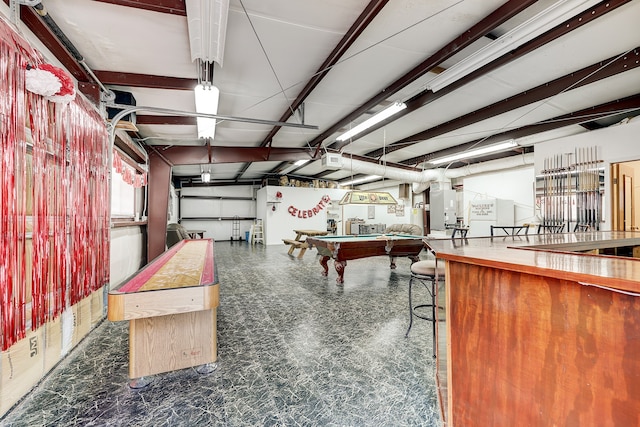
323, 262
392, 262
340, 265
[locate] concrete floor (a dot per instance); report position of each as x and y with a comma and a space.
294, 349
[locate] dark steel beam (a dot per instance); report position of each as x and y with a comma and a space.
130, 149
45, 34
364, 19
158, 187
426, 97
390, 164
591, 74
150, 119
481, 29
91, 91
195, 155
629, 104
145, 80
173, 7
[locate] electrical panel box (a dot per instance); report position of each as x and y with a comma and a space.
442, 209
122, 98
332, 160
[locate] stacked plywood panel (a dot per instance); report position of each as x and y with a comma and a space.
25, 363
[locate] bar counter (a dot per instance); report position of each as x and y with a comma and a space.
540, 330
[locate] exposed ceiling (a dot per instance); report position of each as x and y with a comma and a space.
334, 63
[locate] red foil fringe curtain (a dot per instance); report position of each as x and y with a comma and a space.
12, 198
89, 201
54, 226
128, 174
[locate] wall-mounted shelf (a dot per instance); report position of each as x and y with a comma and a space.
127, 223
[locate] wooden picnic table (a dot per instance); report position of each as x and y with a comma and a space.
300, 242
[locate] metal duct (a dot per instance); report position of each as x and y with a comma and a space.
422, 180
358, 166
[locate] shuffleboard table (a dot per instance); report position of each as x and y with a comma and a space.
171, 308
344, 248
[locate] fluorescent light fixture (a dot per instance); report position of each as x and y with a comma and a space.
384, 114
300, 162
549, 18
360, 180
475, 153
206, 176
207, 22
207, 103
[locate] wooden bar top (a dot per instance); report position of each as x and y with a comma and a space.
550, 255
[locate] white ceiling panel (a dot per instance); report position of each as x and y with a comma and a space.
274, 48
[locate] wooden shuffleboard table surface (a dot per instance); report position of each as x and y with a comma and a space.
177, 291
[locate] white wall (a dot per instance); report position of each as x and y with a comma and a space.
513, 184
289, 212
615, 144
126, 253
217, 202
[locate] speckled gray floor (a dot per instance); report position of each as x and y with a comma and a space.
295, 349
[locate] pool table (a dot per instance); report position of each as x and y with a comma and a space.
343, 248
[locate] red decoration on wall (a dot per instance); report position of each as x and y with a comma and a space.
55, 213
51, 82
12, 194
308, 213
128, 174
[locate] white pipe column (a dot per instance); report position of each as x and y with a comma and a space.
422, 180
358, 166
483, 167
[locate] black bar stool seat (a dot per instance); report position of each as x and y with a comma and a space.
427, 273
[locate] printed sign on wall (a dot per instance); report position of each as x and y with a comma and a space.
482, 210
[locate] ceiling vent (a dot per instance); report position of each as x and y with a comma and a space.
332, 160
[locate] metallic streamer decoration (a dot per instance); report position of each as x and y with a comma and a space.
55, 207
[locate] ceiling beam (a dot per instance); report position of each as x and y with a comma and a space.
173, 7
196, 155
366, 17
35, 23
476, 32
591, 74
362, 22
427, 96
150, 119
629, 104
145, 80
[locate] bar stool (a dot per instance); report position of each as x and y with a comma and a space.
551, 228
427, 273
581, 228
